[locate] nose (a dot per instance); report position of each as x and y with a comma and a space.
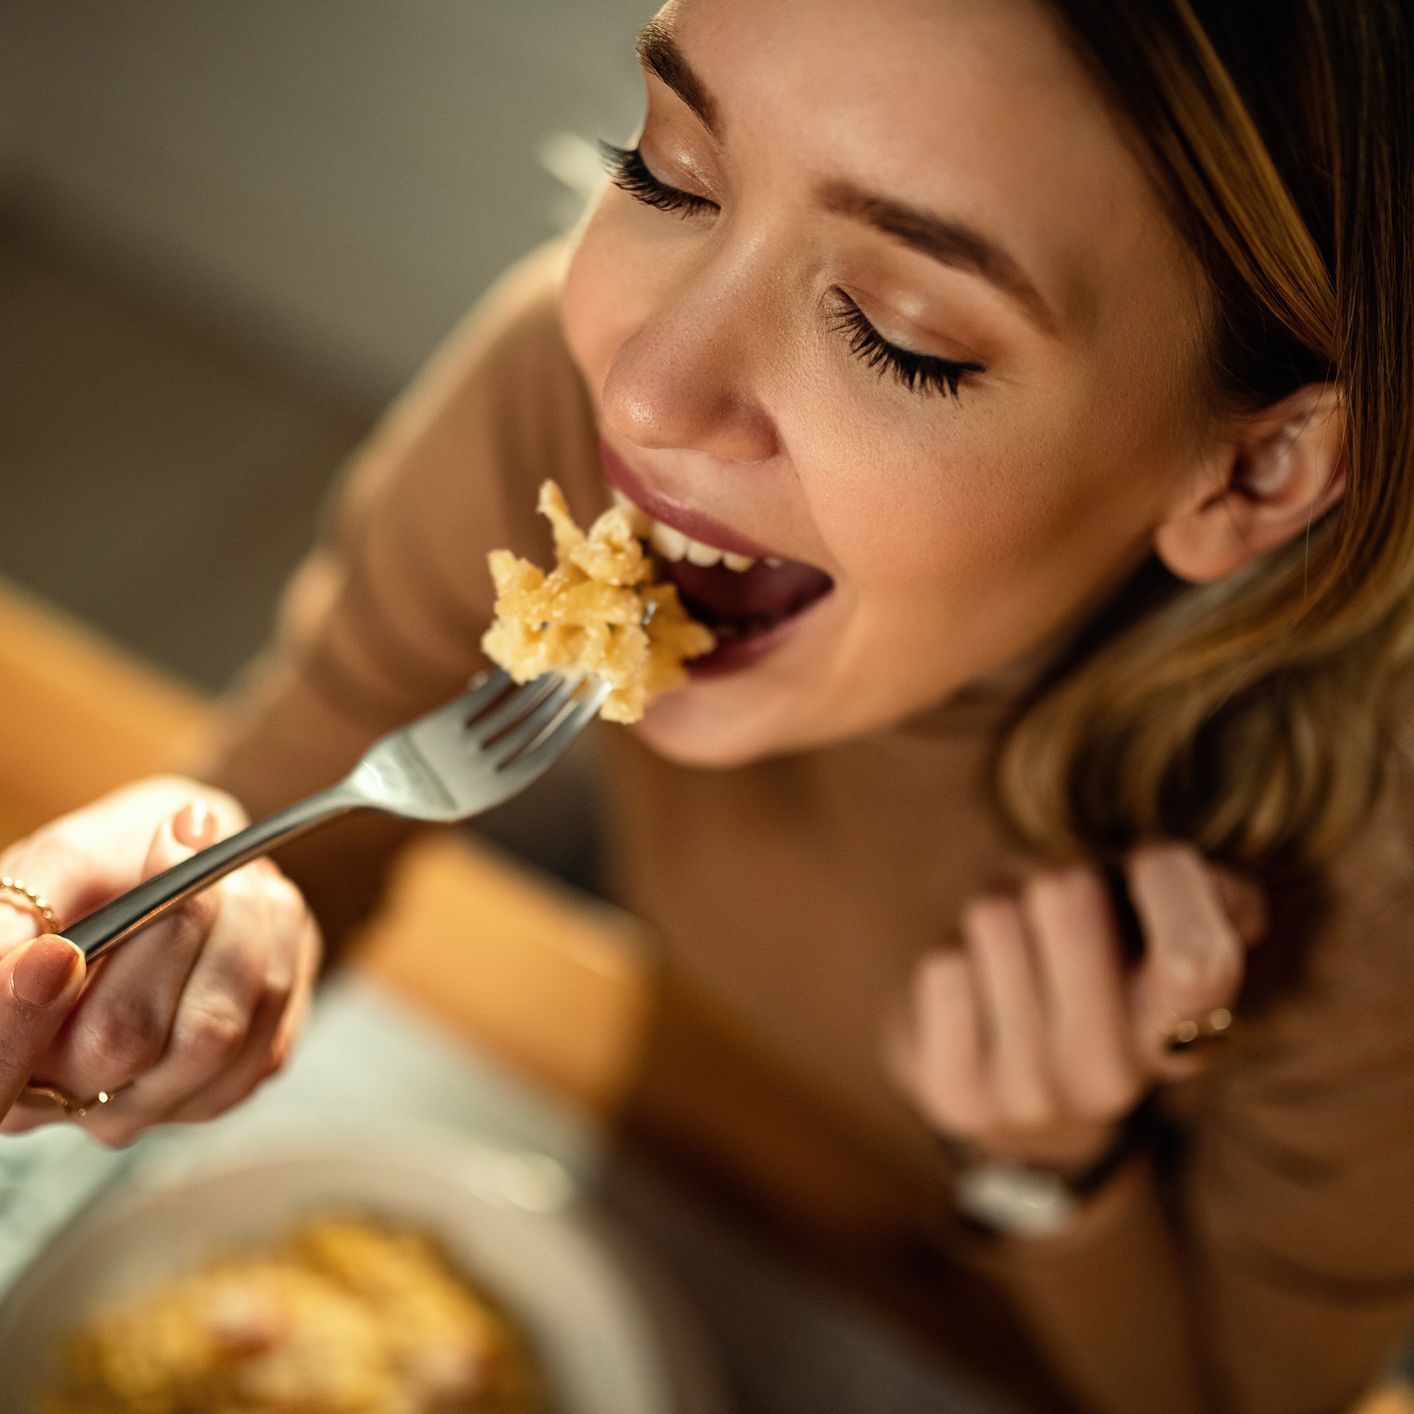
683, 378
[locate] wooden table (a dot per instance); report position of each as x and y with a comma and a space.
78, 717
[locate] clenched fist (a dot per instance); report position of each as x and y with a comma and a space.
1034, 1041
187, 1017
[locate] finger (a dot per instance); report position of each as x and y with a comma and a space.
301, 1003
38, 984
22, 917
1081, 960
89, 856
1245, 903
255, 1063
948, 1074
1016, 1059
1193, 960
242, 978
50, 867
122, 1024
270, 1045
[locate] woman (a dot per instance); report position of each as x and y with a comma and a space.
1061, 355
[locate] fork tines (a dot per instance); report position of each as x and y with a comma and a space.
509, 726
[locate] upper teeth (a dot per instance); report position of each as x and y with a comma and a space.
674, 545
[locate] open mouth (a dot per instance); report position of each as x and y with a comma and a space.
739, 604
742, 598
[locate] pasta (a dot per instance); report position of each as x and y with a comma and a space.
344, 1317
598, 611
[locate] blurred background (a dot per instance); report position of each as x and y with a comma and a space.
229, 233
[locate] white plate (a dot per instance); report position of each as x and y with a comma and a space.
607, 1329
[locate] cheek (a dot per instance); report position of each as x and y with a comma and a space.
903, 514
984, 508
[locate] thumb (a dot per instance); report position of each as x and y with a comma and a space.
39, 982
43, 972
1244, 901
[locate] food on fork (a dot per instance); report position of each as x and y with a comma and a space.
600, 611
345, 1316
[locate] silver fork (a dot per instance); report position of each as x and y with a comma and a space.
476, 751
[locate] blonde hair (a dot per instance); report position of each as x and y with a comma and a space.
1251, 715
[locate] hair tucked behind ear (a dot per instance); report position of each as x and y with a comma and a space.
1251, 715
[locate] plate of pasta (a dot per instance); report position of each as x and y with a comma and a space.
411, 1273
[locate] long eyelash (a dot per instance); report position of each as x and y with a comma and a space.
629, 172
917, 372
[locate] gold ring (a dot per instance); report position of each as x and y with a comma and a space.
34, 901
74, 1109
1189, 1035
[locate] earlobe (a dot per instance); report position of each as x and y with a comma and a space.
1282, 471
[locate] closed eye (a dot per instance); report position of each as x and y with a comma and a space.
919, 373
629, 172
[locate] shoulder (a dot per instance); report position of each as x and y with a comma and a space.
1317, 1089
506, 353
1372, 875
519, 314
1338, 964
498, 407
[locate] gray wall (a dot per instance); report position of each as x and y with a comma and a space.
229, 231
339, 177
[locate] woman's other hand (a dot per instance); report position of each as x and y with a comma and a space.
1035, 1040
186, 1018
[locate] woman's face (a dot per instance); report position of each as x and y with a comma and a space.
821, 183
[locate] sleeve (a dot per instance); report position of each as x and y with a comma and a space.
1266, 1265
382, 620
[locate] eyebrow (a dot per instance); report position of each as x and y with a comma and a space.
658, 52
949, 242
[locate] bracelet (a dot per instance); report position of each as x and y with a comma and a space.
992, 1197
1132, 1133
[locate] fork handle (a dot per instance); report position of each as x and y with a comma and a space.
106, 927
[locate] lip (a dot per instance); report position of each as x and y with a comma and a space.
673, 513
741, 653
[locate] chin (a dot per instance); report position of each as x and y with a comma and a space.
687, 728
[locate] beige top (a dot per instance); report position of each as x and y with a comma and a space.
1260, 1259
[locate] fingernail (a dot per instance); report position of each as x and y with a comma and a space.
195, 825
44, 970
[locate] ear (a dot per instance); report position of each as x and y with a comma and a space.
1272, 478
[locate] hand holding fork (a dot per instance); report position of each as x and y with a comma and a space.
204, 1001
